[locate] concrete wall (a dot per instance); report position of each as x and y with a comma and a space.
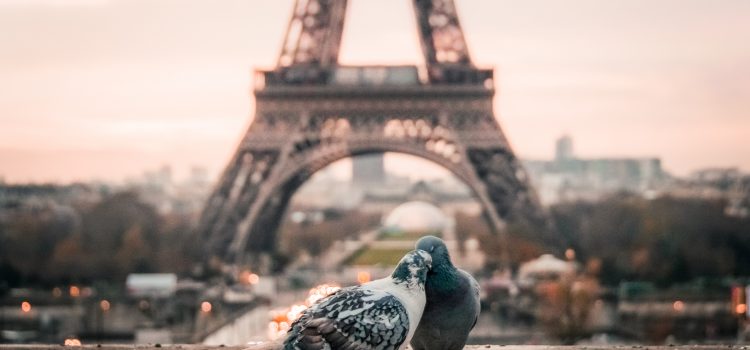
239, 330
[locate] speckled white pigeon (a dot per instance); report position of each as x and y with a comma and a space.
452, 302
382, 314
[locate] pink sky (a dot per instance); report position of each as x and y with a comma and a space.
105, 89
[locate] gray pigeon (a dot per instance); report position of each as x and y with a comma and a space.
382, 314
452, 302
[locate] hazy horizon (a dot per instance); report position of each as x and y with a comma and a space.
107, 89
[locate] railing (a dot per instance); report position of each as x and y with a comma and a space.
362, 76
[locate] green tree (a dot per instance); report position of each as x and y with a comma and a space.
666, 240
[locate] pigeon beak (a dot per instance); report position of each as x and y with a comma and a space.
427, 258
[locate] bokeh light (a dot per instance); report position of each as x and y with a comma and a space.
72, 342
206, 307
26, 306
363, 277
281, 319
678, 306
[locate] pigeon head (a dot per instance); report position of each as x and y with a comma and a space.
437, 249
443, 276
413, 268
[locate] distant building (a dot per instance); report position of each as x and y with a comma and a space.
34, 197
450, 196
368, 170
728, 184
325, 190
151, 284
570, 178
564, 148
722, 177
160, 189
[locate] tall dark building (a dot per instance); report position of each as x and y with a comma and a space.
564, 148
368, 170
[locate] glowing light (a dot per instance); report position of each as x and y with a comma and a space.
273, 331
206, 307
295, 312
740, 309
281, 319
320, 292
104, 304
278, 326
74, 291
26, 306
72, 342
244, 277
247, 277
570, 254
363, 277
678, 306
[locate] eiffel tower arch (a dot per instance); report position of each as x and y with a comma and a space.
311, 111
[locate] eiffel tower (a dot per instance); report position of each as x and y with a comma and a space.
311, 111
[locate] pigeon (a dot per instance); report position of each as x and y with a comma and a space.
382, 314
452, 302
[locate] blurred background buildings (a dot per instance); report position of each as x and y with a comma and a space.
568, 177
345, 230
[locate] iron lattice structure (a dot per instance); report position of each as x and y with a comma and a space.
311, 111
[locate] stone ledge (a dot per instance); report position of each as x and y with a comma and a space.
276, 346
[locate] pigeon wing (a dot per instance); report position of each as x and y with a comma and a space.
353, 318
475, 289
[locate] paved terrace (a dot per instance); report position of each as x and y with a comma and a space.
276, 346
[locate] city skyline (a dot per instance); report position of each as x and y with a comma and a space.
105, 89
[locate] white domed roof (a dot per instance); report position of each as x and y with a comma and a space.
417, 217
544, 265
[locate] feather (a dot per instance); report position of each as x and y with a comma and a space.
453, 304
381, 314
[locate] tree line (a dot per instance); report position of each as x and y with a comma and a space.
63, 243
666, 240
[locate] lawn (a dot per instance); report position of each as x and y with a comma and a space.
369, 256
405, 236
